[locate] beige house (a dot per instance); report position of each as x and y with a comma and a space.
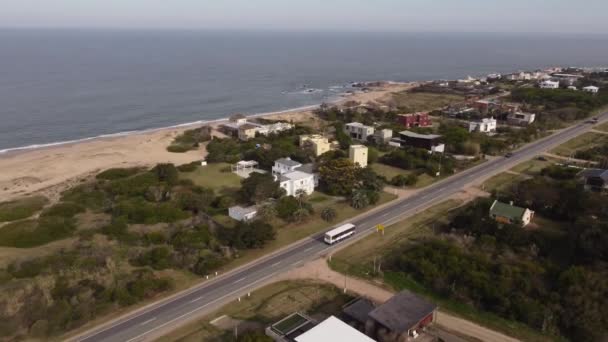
247, 131
358, 155
319, 143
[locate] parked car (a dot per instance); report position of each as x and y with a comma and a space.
541, 158
509, 155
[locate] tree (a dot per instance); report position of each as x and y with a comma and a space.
359, 199
167, 173
300, 215
286, 206
339, 176
373, 155
329, 214
267, 212
342, 137
260, 187
301, 197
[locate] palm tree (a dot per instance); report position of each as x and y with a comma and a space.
299, 215
329, 214
301, 196
359, 199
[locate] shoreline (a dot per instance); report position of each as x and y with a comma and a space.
50, 169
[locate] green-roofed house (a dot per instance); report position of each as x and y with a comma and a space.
510, 214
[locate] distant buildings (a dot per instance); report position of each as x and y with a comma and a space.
293, 177
242, 214
591, 89
483, 126
548, 84
594, 179
383, 136
359, 131
484, 106
510, 214
358, 155
420, 119
430, 142
240, 127
319, 143
520, 118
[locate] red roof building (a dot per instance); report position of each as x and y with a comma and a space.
414, 120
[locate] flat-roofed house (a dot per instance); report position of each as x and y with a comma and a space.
520, 118
296, 181
591, 89
420, 119
510, 214
358, 155
359, 131
484, 125
319, 143
247, 131
430, 142
548, 84
242, 214
333, 330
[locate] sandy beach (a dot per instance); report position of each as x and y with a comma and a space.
51, 170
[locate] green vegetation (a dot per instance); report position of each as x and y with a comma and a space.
265, 306
581, 143
118, 173
21, 208
190, 140
216, 176
32, 233
501, 182
533, 167
410, 102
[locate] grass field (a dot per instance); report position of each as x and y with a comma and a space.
21, 208
266, 306
388, 171
358, 258
581, 142
290, 233
533, 167
501, 181
211, 176
409, 102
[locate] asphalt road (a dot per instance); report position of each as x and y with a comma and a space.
144, 324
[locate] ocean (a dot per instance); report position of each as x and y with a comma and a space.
65, 85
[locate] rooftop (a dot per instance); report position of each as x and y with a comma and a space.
595, 173
359, 309
307, 168
356, 124
248, 126
288, 162
507, 210
295, 175
293, 325
402, 312
242, 210
419, 136
333, 330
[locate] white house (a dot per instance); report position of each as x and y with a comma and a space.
548, 84
284, 165
242, 214
359, 131
295, 181
484, 126
522, 119
591, 89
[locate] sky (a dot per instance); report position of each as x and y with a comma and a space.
543, 16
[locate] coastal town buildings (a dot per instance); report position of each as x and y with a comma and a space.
318, 143
591, 89
430, 142
520, 118
243, 129
294, 177
548, 84
242, 214
486, 125
383, 136
358, 155
510, 214
359, 131
420, 119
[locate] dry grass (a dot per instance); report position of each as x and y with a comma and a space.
501, 181
533, 167
603, 127
409, 102
581, 142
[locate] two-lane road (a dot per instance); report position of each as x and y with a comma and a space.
170, 312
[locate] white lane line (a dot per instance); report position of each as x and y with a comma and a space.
197, 309
309, 248
239, 280
149, 321
275, 264
297, 263
197, 299
385, 215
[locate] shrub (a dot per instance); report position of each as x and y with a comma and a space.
166, 173
159, 258
139, 211
22, 208
87, 195
32, 233
191, 167
118, 173
178, 149
64, 209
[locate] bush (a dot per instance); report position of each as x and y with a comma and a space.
139, 211
191, 167
159, 258
22, 208
166, 173
118, 173
177, 149
64, 209
31, 233
402, 180
87, 195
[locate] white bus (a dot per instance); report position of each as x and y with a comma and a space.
340, 233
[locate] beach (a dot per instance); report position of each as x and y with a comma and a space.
51, 170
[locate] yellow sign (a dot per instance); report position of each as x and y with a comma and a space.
380, 228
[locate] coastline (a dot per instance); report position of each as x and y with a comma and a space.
49, 169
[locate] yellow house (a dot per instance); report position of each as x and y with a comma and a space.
319, 143
358, 155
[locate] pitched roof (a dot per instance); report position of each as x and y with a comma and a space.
332, 330
595, 173
359, 309
507, 210
402, 312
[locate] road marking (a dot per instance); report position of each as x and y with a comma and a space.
309, 248
275, 264
297, 263
149, 321
385, 215
197, 299
239, 280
